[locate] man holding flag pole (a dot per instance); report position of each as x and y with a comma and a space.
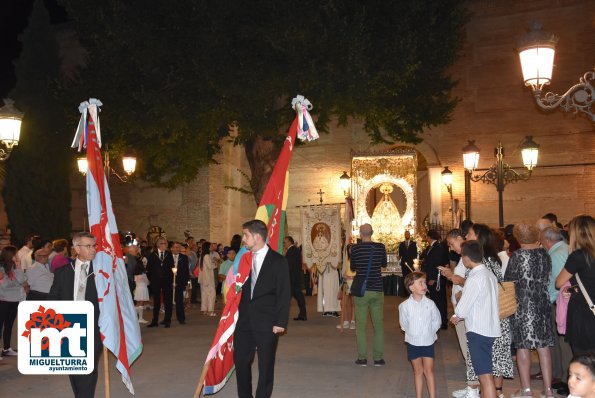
245, 310
117, 320
263, 312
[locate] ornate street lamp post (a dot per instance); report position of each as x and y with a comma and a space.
500, 174
10, 128
536, 51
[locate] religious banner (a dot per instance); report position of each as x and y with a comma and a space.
321, 248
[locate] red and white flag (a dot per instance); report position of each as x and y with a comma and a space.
118, 322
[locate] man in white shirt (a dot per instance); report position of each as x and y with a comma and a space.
23, 257
479, 308
39, 277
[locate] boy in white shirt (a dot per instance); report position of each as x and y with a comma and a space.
420, 320
479, 308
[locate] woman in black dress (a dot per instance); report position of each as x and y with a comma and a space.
580, 322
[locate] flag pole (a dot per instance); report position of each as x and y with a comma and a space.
106, 371
201, 380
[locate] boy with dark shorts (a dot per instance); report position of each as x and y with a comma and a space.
479, 308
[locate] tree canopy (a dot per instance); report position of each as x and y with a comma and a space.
37, 189
174, 76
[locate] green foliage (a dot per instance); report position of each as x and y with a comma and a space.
174, 75
37, 190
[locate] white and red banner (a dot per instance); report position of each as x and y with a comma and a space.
118, 322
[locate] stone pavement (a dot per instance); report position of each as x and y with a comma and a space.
313, 360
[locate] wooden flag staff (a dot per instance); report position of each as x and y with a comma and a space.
201, 380
106, 371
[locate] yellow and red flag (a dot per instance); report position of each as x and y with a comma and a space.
272, 212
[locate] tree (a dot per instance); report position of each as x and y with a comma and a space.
37, 190
175, 76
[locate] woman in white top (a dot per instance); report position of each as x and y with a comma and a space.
206, 278
12, 292
454, 239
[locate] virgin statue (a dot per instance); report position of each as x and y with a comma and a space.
386, 218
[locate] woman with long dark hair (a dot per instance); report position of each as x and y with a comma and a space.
580, 321
501, 355
12, 292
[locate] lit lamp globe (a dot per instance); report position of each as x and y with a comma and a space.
447, 177
129, 164
529, 150
345, 182
10, 127
82, 165
536, 52
470, 156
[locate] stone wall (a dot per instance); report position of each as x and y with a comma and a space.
495, 106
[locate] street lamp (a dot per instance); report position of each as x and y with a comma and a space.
128, 164
501, 173
345, 182
536, 52
447, 180
470, 162
82, 165
10, 128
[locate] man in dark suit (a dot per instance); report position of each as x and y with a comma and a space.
160, 264
63, 288
407, 253
263, 312
434, 256
182, 277
294, 260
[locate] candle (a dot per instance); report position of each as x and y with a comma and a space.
416, 264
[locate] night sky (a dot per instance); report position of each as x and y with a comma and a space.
14, 16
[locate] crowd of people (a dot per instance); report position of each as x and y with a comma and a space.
553, 271
552, 268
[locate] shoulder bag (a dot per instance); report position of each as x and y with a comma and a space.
507, 304
585, 294
358, 287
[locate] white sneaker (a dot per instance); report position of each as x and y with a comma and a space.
352, 325
345, 324
9, 353
467, 392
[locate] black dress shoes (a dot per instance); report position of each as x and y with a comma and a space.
300, 318
152, 325
163, 323
167, 325
182, 322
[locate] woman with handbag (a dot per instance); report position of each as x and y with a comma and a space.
580, 271
529, 268
501, 355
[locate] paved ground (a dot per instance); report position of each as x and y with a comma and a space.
314, 360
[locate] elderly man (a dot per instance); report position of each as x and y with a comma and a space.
552, 240
39, 277
76, 281
370, 255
